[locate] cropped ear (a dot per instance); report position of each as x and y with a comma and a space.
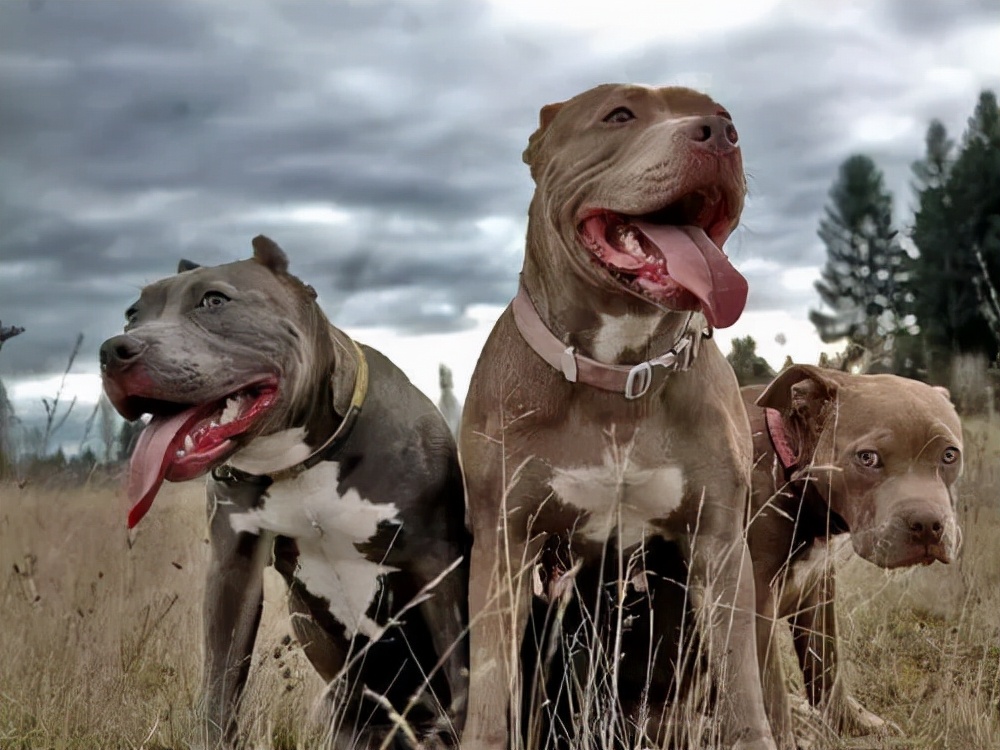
268, 254
943, 391
187, 265
803, 390
802, 394
545, 118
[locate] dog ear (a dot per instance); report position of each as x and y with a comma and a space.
943, 391
545, 118
187, 265
800, 389
803, 395
268, 254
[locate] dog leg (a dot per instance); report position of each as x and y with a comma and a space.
446, 626
814, 631
772, 674
234, 597
723, 596
499, 604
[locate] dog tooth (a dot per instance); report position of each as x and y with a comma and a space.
181, 454
231, 411
188, 443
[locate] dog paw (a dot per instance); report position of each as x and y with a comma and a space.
854, 719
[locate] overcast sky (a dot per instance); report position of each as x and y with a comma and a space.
379, 143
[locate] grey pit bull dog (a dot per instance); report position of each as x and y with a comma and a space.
324, 460
869, 461
600, 409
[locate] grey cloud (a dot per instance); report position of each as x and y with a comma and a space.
138, 133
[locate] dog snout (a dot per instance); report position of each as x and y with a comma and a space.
119, 352
714, 133
925, 527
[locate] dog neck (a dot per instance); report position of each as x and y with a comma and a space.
343, 395
816, 516
632, 381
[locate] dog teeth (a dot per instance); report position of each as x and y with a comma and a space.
629, 242
188, 443
181, 454
231, 411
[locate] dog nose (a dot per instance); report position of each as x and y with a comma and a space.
715, 133
120, 351
925, 527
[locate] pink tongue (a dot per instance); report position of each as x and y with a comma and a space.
694, 262
155, 449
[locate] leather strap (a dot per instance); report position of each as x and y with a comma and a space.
632, 381
329, 448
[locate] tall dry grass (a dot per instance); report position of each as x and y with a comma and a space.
100, 640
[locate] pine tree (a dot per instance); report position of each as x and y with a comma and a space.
865, 280
957, 232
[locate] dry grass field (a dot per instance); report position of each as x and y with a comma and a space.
100, 640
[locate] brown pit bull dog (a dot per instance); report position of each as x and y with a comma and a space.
600, 409
326, 462
872, 459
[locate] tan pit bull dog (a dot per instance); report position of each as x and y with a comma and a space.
600, 409
872, 459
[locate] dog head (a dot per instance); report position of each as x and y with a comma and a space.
884, 451
218, 356
637, 189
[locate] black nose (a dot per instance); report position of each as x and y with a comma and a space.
926, 527
714, 132
119, 352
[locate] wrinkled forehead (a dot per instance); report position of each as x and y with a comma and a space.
911, 411
230, 278
678, 101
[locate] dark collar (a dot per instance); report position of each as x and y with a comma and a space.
632, 381
813, 504
333, 445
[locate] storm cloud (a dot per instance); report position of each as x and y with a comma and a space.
380, 142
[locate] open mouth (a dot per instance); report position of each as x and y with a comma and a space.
183, 441
671, 256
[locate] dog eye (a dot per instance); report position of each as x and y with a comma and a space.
131, 316
869, 459
950, 455
214, 299
621, 114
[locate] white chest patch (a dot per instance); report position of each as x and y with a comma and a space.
326, 527
616, 333
272, 453
620, 498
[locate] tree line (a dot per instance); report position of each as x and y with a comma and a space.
909, 299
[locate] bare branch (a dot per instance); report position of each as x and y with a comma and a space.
52, 408
989, 299
9, 332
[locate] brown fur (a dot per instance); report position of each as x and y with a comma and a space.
525, 427
898, 514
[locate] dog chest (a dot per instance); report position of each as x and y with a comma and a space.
619, 499
327, 527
